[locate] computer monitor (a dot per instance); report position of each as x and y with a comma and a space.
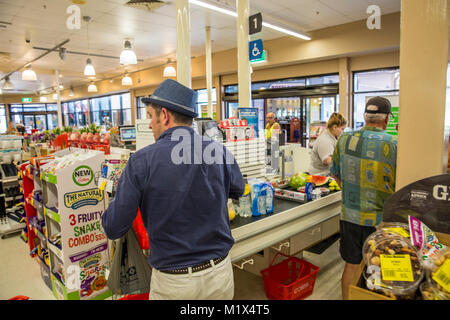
127, 134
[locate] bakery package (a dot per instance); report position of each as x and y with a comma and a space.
393, 265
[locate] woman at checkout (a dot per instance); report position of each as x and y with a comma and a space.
323, 147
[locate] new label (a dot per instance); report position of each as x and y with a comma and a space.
82, 176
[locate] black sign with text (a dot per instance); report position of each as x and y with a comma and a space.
428, 200
255, 23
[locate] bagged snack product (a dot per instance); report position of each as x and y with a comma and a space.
438, 277
425, 240
394, 266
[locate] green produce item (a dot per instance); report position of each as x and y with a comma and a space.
298, 180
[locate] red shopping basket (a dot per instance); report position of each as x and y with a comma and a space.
142, 296
291, 279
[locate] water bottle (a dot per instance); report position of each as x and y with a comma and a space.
245, 209
269, 198
262, 201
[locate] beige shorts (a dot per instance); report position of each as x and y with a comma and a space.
214, 283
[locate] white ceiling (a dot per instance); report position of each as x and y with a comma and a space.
153, 34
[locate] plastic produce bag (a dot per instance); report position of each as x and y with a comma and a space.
130, 271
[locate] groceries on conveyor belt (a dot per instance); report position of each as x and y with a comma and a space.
303, 187
259, 194
407, 261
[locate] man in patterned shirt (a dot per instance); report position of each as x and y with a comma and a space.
364, 165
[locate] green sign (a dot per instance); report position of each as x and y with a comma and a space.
393, 122
263, 58
26, 99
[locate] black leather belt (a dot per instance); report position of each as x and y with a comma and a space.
196, 268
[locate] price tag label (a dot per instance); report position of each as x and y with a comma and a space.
396, 267
103, 185
442, 275
400, 231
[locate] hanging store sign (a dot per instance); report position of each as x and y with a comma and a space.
256, 50
255, 23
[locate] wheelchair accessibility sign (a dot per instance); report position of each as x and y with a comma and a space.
256, 50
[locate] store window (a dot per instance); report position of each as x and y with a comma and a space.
34, 116
202, 102
141, 111
366, 84
114, 109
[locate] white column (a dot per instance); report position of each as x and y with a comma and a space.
208, 54
183, 43
423, 78
58, 101
244, 76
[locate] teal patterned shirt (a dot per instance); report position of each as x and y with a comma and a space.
365, 162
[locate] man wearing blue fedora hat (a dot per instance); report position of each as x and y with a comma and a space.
183, 204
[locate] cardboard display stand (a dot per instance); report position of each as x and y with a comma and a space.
428, 201
73, 206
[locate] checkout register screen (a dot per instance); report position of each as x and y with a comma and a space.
128, 134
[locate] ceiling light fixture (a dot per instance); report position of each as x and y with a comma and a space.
28, 74
55, 96
71, 93
92, 88
265, 24
89, 69
127, 81
169, 71
43, 99
127, 56
8, 85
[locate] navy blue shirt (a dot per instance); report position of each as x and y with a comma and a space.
181, 184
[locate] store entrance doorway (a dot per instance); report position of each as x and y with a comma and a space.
318, 110
37, 121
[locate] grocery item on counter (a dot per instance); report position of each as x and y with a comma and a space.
319, 180
298, 180
245, 202
333, 185
309, 187
269, 197
258, 193
394, 267
438, 276
425, 240
399, 228
231, 210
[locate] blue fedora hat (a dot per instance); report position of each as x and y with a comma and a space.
174, 96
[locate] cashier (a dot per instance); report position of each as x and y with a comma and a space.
183, 204
324, 145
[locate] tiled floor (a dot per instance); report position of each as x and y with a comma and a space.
20, 275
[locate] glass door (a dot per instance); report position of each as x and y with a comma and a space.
28, 121
41, 122
317, 109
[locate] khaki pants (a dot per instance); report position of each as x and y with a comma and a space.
214, 283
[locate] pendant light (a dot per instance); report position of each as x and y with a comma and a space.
127, 81
92, 88
8, 85
28, 74
89, 68
71, 93
127, 56
55, 96
43, 99
169, 71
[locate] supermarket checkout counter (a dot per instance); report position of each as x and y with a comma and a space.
292, 228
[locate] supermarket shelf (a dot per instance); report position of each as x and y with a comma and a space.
11, 227
49, 177
58, 252
10, 179
52, 215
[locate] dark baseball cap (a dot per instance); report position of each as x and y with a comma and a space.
378, 105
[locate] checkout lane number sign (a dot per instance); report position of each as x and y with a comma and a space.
82, 175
